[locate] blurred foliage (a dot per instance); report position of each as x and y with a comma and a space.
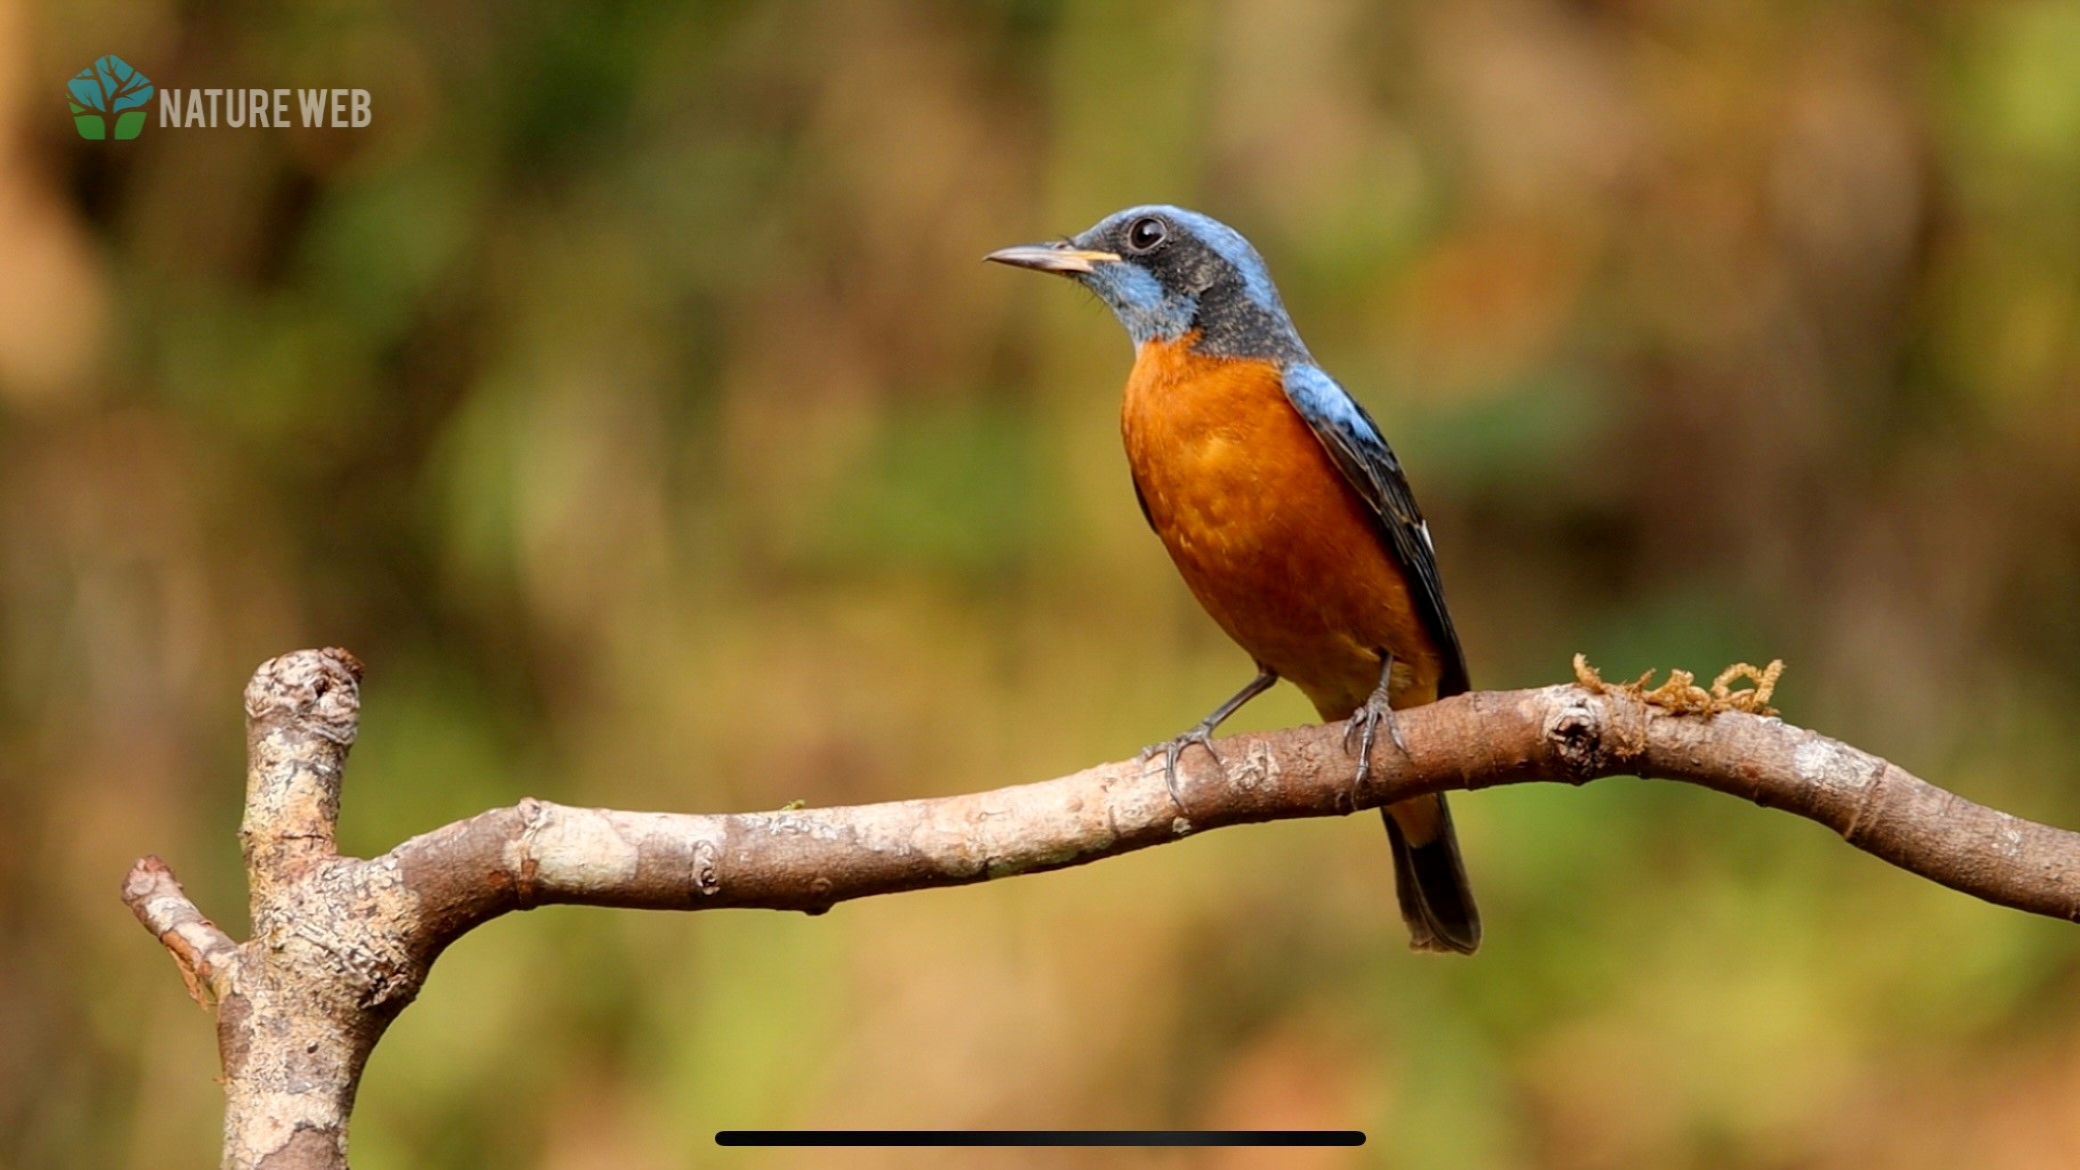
629, 397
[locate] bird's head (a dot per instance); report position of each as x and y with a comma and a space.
1167, 272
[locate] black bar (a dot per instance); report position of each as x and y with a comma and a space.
1040, 1137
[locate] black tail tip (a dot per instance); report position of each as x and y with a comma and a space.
1433, 936
1430, 883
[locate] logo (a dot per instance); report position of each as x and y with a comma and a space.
109, 87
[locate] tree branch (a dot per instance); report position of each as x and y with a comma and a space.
198, 947
342, 945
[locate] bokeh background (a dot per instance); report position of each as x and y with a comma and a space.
629, 396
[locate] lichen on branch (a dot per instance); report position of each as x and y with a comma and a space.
1682, 695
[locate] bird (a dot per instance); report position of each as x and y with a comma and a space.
1284, 509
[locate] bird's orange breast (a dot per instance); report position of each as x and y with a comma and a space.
1277, 547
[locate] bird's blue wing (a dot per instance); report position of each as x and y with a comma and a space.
1354, 444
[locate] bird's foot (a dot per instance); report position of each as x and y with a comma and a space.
1363, 726
1171, 749
1203, 733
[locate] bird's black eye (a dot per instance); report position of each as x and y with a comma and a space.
1145, 233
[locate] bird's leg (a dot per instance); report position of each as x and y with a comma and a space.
1366, 720
1202, 734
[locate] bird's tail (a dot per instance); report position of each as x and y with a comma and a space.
1430, 878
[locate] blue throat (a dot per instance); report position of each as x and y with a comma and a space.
1148, 310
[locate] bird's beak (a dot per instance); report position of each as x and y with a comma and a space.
1056, 258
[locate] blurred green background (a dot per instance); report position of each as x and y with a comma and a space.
629, 396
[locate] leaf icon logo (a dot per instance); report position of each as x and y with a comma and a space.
109, 86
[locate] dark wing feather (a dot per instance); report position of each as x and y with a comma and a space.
1354, 444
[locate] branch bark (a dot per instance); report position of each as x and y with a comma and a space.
341, 944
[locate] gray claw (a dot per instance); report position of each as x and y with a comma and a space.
1364, 724
1174, 748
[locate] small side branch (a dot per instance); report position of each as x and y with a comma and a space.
198, 947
